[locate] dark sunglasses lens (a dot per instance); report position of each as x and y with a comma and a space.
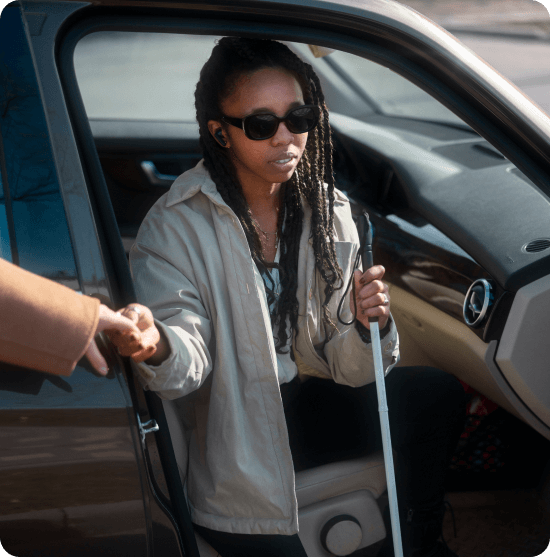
264, 126
302, 120
261, 126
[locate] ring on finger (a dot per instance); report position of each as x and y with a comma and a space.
386, 301
136, 310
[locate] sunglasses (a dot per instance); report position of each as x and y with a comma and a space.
263, 126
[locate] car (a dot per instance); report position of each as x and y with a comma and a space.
450, 160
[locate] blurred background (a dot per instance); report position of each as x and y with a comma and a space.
511, 35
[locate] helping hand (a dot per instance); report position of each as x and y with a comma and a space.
144, 347
109, 320
371, 296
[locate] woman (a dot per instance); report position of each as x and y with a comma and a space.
243, 263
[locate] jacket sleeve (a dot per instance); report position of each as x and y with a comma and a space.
179, 312
49, 326
349, 358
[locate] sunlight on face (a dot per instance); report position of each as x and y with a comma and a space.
268, 161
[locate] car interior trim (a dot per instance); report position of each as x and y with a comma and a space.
521, 409
524, 351
461, 352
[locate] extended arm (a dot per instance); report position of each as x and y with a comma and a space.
183, 359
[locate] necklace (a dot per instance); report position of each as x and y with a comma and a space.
266, 235
256, 224
263, 231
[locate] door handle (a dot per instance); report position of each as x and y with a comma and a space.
155, 177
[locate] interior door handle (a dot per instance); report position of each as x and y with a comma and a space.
155, 177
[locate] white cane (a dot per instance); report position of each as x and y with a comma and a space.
365, 237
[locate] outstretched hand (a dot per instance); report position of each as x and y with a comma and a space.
109, 320
371, 296
144, 347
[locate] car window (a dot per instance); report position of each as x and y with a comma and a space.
120, 72
40, 230
391, 93
5, 249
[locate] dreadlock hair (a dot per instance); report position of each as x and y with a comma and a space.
230, 59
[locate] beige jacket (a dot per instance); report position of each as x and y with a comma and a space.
43, 325
192, 266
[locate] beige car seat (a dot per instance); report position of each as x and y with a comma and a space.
337, 509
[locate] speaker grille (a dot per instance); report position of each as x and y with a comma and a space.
535, 246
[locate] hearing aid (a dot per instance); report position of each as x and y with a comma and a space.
219, 138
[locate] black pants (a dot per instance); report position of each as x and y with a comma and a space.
328, 422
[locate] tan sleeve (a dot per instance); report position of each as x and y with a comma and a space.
43, 325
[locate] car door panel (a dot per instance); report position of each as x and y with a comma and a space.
140, 160
72, 466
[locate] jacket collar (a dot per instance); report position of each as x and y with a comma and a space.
198, 179
190, 183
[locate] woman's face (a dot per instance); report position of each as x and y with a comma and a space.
268, 161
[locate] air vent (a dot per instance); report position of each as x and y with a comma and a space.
534, 246
477, 302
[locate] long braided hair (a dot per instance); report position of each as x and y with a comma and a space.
230, 59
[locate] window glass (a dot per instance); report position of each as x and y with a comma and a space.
41, 231
119, 73
5, 250
392, 93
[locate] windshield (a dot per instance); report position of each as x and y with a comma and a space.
390, 93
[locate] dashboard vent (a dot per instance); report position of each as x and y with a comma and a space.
535, 246
477, 303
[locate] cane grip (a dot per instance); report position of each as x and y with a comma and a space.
364, 229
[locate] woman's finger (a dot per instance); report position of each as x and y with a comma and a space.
372, 299
379, 299
144, 354
374, 273
114, 321
149, 336
354, 303
139, 314
371, 289
96, 359
126, 344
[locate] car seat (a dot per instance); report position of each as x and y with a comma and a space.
337, 509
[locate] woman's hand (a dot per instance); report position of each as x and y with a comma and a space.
114, 322
145, 346
371, 296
